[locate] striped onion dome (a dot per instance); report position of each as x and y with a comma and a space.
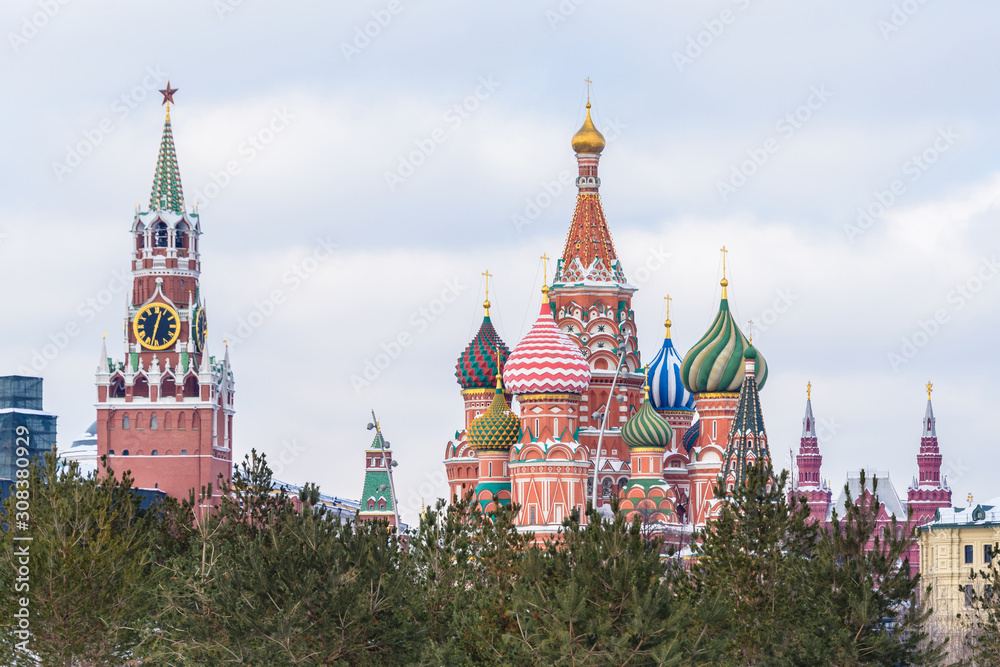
646, 429
546, 361
715, 363
497, 429
477, 365
667, 392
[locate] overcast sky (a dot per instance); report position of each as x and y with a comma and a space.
428, 141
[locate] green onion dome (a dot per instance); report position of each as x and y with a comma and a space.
715, 363
646, 429
497, 429
477, 366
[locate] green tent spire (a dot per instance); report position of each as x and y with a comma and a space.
167, 194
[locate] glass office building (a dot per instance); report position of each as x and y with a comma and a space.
21, 406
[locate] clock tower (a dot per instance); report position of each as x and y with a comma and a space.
165, 411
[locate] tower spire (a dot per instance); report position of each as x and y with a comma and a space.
167, 193
486, 303
724, 283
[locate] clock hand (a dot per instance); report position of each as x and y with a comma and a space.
156, 327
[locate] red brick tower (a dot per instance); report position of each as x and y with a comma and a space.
165, 412
592, 303
810, 484
929, 491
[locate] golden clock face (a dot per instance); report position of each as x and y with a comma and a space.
200, 330
156, 326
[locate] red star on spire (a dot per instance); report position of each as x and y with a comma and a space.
168, 94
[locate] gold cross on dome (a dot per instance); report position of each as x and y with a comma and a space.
545, 268
488, 276
668, 300
588, 88
724, 252
750, 327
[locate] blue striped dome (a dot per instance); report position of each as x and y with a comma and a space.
666, 390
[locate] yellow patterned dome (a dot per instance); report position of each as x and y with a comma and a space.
497, 429
588, 139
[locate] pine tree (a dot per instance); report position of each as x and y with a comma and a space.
865, 575
602, 595
265, 584
91, 568
758, 555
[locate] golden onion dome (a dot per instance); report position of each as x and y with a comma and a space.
588, 139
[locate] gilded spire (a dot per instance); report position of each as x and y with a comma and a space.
545, 277
486, 303
167, 193
646, 383
666, 322
724, 283
930, 388
809, 390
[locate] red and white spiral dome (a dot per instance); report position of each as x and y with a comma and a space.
546, 361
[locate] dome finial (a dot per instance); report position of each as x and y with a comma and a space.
646, 387
486, 303
499, 374
724, 283
809, 390
588, 138
545, 277
666, 322
930, 388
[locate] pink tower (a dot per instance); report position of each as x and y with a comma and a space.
929, 492
809, 483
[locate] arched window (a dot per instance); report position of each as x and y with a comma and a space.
124, 452
160, 235
154, 453
141, 387
714, 429
371, 504
191, 389
531, 515
381, 503
606, 487
138, 420
117, 389
168, 421
168, 387
140, 236
125, 423
154, 423
640, 465
184, 452
555, 428
180, 236
181, 421
196, 422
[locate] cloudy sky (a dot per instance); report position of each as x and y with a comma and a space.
424, 142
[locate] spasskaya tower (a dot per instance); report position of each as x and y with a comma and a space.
165, 411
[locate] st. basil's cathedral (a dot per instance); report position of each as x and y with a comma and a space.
659, 437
